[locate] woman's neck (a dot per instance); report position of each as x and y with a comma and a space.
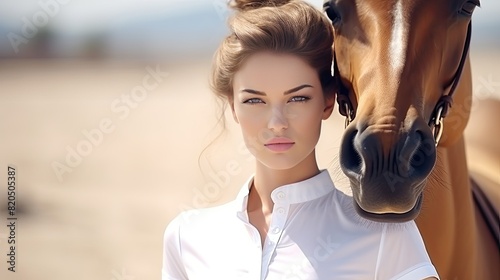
260, 205
266, 180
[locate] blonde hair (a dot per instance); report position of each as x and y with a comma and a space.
281, 26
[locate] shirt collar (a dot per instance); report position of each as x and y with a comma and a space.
309, 189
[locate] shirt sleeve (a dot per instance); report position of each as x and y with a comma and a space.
402, 254
173, 268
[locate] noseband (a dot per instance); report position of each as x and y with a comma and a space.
440, 111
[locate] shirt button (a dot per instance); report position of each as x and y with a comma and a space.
276, 230
281, 195
281, 211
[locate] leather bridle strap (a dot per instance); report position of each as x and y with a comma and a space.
445, 101
345, 106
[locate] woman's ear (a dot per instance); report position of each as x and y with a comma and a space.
329, 105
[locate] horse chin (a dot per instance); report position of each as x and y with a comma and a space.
391, 217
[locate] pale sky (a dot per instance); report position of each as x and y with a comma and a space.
92, 14
102, 9
78, 14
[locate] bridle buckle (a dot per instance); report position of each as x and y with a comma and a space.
349, 116
437, 125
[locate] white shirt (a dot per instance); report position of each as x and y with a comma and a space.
314, 234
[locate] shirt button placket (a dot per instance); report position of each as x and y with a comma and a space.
279, 219
277, 225
278, 222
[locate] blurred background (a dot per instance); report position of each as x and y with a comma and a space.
106, 114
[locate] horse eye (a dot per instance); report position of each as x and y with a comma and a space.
331, 12
468, 8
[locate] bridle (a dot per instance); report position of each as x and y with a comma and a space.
441, 109
446, 100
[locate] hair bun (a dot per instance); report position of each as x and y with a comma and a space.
244, 5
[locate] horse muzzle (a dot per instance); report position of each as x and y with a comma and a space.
387, 168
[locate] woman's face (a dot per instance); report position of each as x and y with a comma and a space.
279, 104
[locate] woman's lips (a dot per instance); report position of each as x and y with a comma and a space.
279, 144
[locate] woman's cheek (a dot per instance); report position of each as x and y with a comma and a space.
255, 132
291, 112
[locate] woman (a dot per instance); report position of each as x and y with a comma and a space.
288, 221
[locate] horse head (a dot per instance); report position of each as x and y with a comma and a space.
398, 66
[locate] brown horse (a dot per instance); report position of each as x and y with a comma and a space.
399, 65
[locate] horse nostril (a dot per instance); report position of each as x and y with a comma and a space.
350, 159
418, 157
423, 159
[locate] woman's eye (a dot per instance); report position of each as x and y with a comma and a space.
253, 101
299, 99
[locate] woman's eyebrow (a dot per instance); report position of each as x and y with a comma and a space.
253, 91
295, 89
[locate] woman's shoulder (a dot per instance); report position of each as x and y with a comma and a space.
200, 217
403, 253
208, 218
202, 229
401, 250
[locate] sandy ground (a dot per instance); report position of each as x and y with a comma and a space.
102, 214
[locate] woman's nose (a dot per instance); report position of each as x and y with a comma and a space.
278, 119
